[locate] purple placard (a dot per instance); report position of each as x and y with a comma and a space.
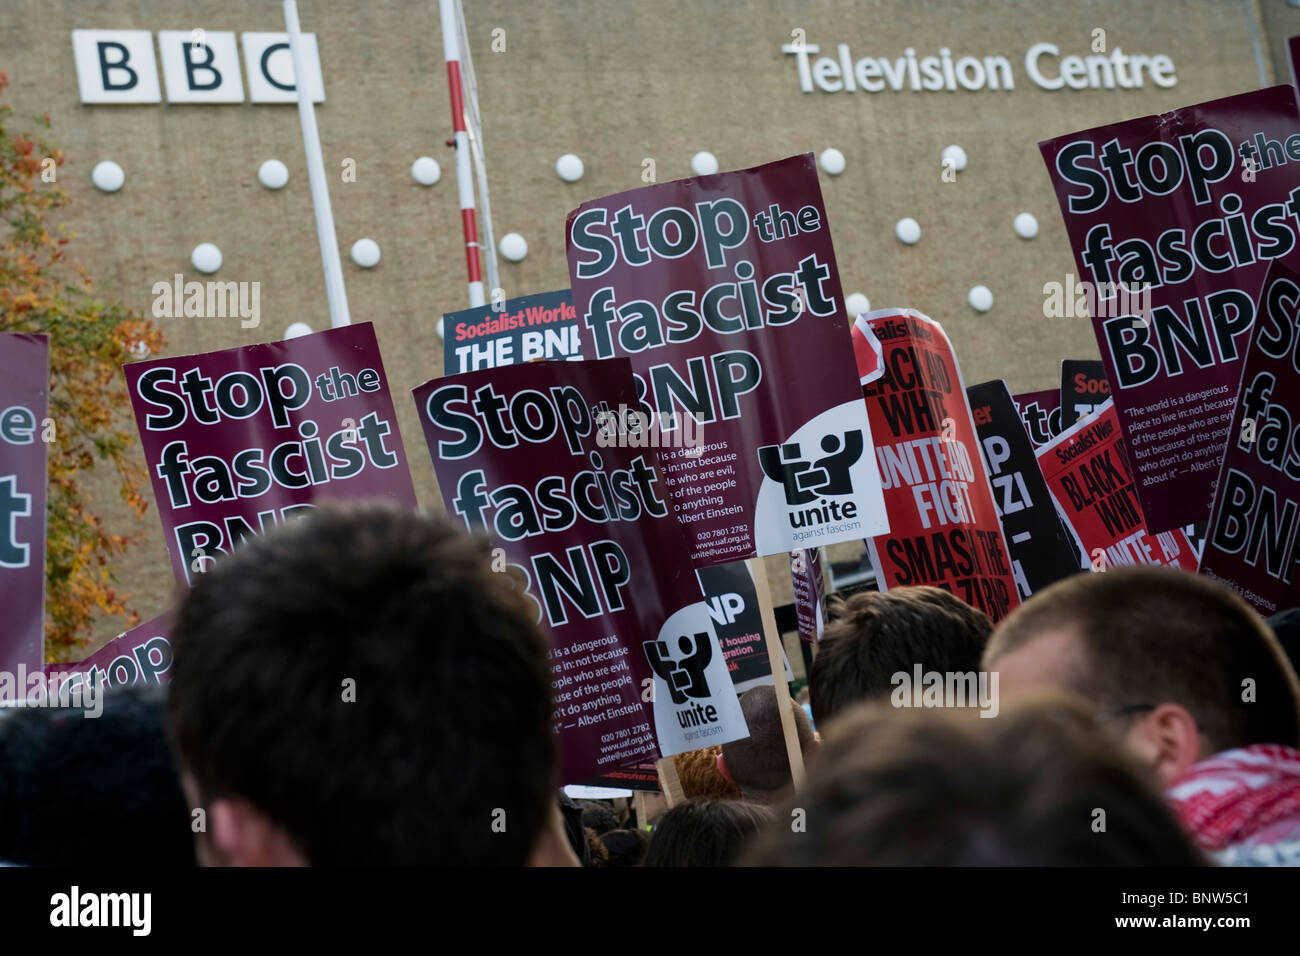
1040, 412
1253, 542
724, 293
142, 655
1184, 211
240, 440
526, 453
24, 407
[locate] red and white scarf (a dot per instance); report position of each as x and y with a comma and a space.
1243, 805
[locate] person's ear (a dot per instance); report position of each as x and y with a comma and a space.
1167, 740
242, 835
721, 762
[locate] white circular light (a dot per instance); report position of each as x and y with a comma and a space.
440, 327
108, 176
980, 298
365, 253
297, 330
857, 303
1026, 225
426, 171
955, 157
704, 164
273, 174
908, 230
569, 168
206, 257
832, 161
513, 246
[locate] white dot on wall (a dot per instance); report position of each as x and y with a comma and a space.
365, 253
108, 176
908, 230
1026, 225
297, 330
426, 171
832, 161
206, 257
513, 246
857, 303
980, 298
569, 168
955, 157
704, 164
440, 327
273, 174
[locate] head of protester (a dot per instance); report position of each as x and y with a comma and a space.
706, 833
360, 688
1191, 679
759, 764
875, 636
126, 784
1037, 786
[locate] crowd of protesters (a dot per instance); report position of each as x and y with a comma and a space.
1146, 716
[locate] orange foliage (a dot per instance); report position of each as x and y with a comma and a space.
40, 291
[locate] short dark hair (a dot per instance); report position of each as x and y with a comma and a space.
705, 833
625, 847
68, 782
1154, 635
949, 788
759, 764
447, 730
876, 634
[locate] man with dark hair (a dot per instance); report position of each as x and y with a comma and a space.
360, 688
876, 635
758, 764
70, 783
1193, 681
1038, 786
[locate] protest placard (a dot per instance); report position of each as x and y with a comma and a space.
24, 436
526, 329
1040, 412
733, 605
1087, 471
529, 454
943, 524
809, 593
1041, 550
142, 655
1253, 539
1174, 219
1083, 388
724, 293
240, 440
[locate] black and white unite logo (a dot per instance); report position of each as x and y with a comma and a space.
806, 480
685, 676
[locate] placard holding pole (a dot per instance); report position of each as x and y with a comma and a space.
320, 194
772, 638
669, 781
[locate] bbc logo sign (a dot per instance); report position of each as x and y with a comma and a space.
118, 67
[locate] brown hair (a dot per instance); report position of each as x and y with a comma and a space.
1035, 786
700, 777
874, 635
759, 763
1158, 635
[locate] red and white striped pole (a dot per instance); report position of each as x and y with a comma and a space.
464, 167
